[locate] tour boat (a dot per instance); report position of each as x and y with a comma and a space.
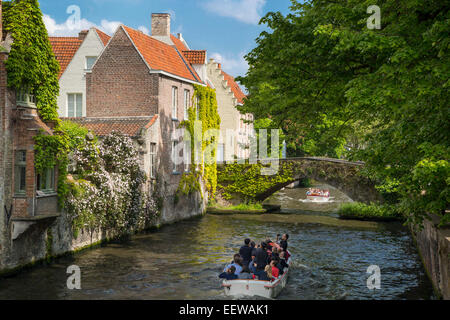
318, 197
266, 289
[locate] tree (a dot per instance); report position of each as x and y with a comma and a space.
323, 75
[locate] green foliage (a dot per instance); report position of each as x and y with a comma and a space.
208, 116
361, 211
380, 96
31, 63
246, 180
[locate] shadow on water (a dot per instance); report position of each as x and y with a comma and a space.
183, 260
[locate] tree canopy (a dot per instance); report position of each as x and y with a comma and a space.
381, 95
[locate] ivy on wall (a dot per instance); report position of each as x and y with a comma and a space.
31, 63
204, 111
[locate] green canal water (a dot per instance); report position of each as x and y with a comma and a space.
182, 261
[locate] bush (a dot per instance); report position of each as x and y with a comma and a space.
361, 211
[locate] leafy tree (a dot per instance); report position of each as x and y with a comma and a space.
321, 74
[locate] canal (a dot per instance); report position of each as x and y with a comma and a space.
182, 261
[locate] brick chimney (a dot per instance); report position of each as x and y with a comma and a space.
83, 34
161, 24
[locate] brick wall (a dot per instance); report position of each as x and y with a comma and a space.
120, 83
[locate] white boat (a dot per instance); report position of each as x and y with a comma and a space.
318, 198
266, 289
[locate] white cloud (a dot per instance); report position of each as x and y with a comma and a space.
247, 11
71, 27
235, 66
144, 30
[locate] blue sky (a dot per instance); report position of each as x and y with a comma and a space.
226, 28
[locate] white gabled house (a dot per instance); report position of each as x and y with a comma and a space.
76, 56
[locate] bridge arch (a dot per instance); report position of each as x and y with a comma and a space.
343, 175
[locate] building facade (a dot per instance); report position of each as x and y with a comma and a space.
236, 128
76, 56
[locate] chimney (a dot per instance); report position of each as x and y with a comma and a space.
180, 36
161, 24
83, 34
219, 65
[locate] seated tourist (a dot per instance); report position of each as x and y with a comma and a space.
283, 242
283, 264
245, 274
274, 252
252, 265
236, 263
253, 246
274, 270
261, 275
229, 274
268, 271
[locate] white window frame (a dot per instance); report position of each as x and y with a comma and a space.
21, 172
175, 103
153, 153
174, 148
187, 98
75, 104
86, 62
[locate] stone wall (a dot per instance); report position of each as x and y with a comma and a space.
434, 248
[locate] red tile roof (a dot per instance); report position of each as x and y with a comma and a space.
178, 43
235, 88
195, 56
64, 49
103, 36
161, 56
127, 126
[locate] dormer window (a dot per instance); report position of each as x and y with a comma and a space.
24, 98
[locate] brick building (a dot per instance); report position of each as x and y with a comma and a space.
28, 201
142, 86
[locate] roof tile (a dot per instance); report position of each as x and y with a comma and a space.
235, 88
64, 49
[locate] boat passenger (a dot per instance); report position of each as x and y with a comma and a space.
261, 275
283, 242
246, 252
268, 271
245, 274
236, 263
273, 268
261, 257
229, 274
283, 263
274, 252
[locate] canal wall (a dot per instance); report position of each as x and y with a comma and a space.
433, 244
48, 239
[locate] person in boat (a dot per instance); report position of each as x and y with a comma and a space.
229, 274
274, 269
268, 271
283, 264
283, 242
274, 252
236, 263
261, 257
245, 274
246, 252
253, 246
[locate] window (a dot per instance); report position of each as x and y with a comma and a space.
187, 155
174, 102
174, 155
220, 153
46, 181
152, 160
25, 98
20, 172
90, 62
187, 98
197, 107
75, 105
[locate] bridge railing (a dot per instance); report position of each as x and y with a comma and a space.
322, 159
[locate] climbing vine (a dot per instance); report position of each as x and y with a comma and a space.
204, 111
31, 64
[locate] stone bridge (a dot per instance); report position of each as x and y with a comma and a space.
240, 181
